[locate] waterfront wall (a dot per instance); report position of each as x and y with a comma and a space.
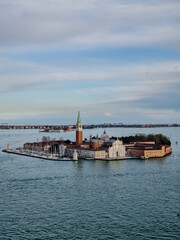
144, 152
165, 150
83, 153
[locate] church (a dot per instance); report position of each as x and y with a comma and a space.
95, 148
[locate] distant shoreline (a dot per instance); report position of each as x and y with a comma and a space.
61, 128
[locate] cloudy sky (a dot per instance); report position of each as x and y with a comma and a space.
114, 60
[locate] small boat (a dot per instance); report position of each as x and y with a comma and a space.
178, 213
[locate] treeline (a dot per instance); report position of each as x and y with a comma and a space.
157, 138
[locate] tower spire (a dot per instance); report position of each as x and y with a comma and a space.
78, 118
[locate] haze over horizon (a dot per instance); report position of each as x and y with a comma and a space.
115, 61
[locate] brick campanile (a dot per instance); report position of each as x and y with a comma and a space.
79, 131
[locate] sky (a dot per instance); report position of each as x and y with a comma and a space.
114, 60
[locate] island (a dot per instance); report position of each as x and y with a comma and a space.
99, 148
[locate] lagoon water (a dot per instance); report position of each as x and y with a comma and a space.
130, 199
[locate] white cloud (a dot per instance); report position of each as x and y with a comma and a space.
107, 114
142, 79
161, 114
69, 25
89, 23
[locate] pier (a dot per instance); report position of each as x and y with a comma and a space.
37, 155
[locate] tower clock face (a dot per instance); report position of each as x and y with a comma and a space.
79, 126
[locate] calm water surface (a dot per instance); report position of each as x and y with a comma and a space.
131, 199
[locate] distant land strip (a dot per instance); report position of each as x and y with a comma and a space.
51, 128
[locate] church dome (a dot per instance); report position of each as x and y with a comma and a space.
104, 136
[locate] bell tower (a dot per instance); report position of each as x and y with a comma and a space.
79, 131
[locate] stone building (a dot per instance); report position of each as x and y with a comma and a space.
95, 148
147, 150
117, 150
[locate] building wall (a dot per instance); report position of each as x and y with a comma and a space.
62, 150
157, 153
100, 154
137, 153
145, 142
168, 150
97, 144
149, 153
82, 153
153, 153
79, 137
117, 150
36, 146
